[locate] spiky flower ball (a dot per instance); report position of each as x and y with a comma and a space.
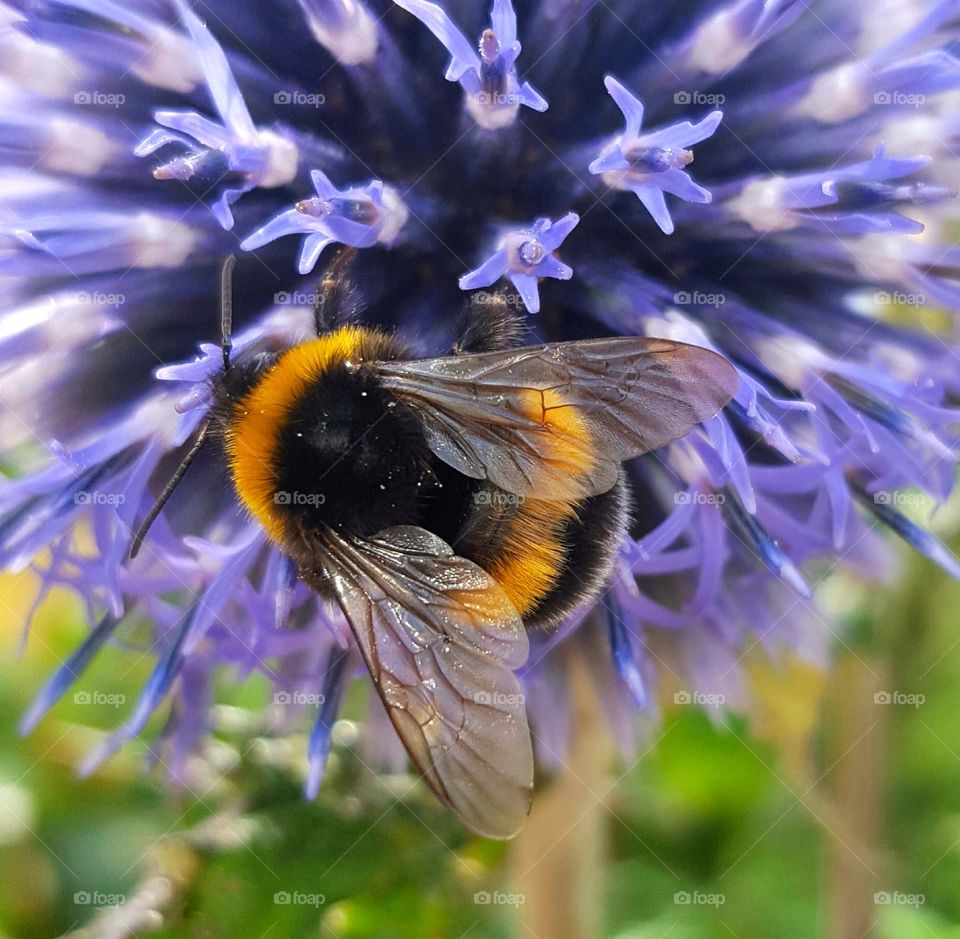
768, 179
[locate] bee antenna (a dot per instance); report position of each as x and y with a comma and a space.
226, 308
161, 500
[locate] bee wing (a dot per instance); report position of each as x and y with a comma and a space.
555, 421
441, 640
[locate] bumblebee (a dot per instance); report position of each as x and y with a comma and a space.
448, 505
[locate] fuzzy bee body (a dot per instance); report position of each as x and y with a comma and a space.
314, 441
447, 505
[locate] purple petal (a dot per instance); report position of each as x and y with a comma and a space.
526, 285
463, 56
630, 106
487, 273
223, 88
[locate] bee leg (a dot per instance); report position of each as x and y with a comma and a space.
491, 323
336, 299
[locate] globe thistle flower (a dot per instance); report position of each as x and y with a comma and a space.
360, 217
142, 142
524, 256
488, 75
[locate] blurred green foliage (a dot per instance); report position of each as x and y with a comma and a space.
727, 825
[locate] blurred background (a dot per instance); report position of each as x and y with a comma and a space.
831, 809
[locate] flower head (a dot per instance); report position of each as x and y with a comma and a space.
487, 74
814, 252
345, 28
360, 216
235, 150
523, 255
650, 164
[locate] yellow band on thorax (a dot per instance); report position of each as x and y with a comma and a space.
253, 437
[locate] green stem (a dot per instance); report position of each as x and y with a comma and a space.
558, 857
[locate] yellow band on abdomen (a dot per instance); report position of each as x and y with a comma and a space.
533, 554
